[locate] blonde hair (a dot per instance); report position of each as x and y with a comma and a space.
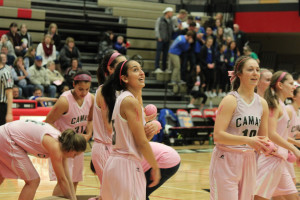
69, 39
51, 26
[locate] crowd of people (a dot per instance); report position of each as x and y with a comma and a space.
212, 46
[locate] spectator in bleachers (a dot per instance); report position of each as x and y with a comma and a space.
21, 77
207, 61
228, 30
29, 57
71, 71
248, 52
240, 37
15, 38
163, 33
209, 33
198, 24
228, 41
25, 36
188, 21
189, 56
46, 49
55, 77
6, 84
68, 52
9, 58
181, 44
5, 42
39, 77
105, 45
195, 84
42, 101
219, 16
53, 32
16, 92
218, 24
120, 45
231, 55
222, 77
220, 36
177, 22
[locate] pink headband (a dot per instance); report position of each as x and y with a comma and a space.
112, 58
121, 71
281, 77
232, 74
83, 77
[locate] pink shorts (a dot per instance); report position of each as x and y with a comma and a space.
75, 168
100, 154
123, 178
14, 161
290, 168
273, 178
232, 174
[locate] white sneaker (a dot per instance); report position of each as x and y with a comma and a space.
191, 106
224, 94
213, 95
158, 70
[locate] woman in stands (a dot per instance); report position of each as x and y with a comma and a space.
240, 129
46, 49
294, 127
264, 81
41, 140
129, 139
273, 178
74, 109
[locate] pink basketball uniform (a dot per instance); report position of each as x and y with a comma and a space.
165, 156
294, 127
18, 139
273, 178
123, 176
76, 118
102, 146
233, 168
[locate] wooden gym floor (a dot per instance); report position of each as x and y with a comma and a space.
191, 182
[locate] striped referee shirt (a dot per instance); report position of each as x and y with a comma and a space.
6, 82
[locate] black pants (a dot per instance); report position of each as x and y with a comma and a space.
222, 77
210, 78
199, 94
3, 111
165, 175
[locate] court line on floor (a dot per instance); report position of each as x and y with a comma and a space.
200, 191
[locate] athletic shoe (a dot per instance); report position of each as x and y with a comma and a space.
158, 70
191, 106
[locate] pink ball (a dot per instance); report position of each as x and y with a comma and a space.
150, 109
271, 147
291, 157
157, 123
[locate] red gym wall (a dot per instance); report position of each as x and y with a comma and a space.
268, 18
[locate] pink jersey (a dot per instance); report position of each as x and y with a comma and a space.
165, 156
99, 131
282, 129
122, 139
77, 116
246, 119
28, 134
294, 125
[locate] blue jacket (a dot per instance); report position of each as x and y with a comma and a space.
179, 45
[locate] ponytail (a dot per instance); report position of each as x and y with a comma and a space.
270, 94
112, 85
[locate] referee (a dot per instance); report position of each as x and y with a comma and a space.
6, 97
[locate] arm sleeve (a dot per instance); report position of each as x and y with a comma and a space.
157, 34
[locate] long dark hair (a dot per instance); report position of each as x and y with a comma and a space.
270, 94
102, 70
113, 84
81, 72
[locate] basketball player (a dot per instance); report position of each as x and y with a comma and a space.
240, 129
273, 179
129, 138
264, 81
74, 109
42, 140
